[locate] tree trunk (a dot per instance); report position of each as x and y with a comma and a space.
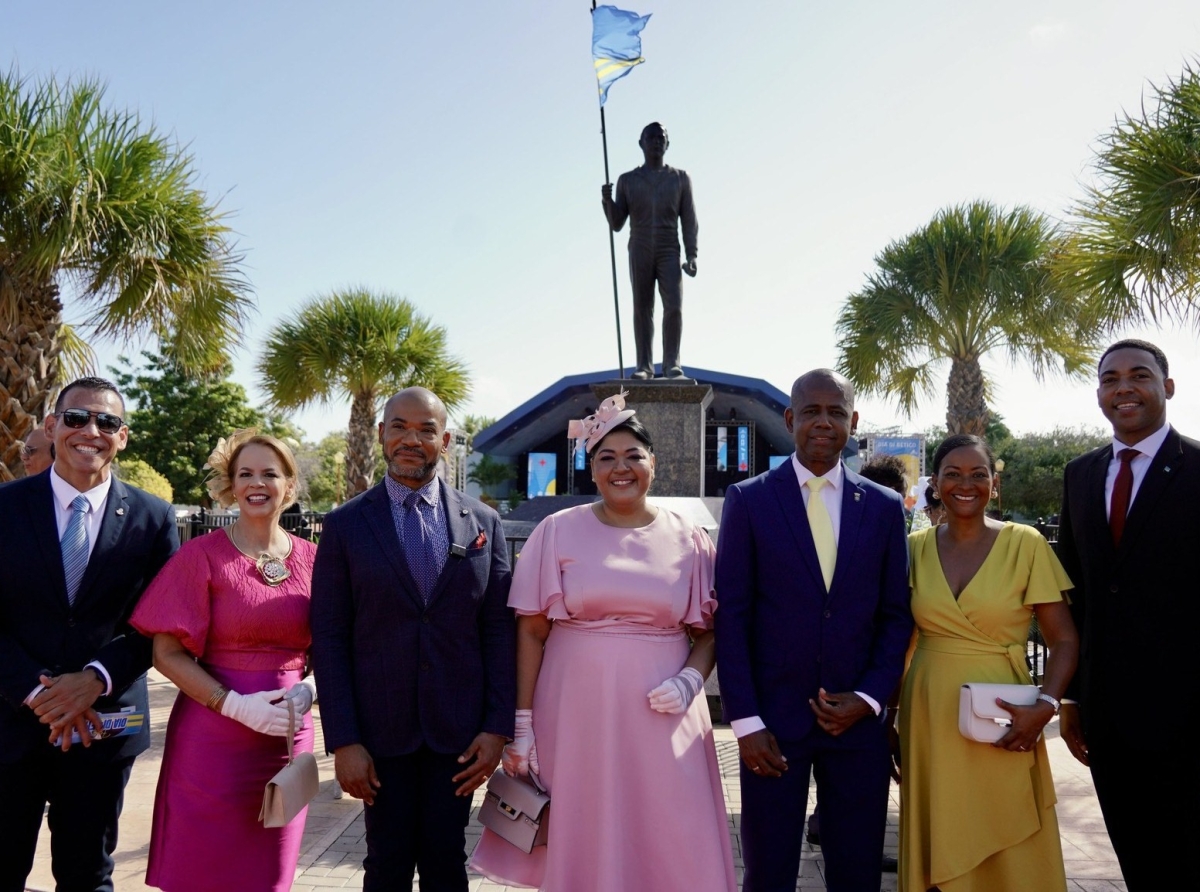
966, 409
360, 444
29, 349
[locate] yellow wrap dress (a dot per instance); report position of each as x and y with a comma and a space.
974, 818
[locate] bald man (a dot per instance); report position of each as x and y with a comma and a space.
414, 651
813, 625
37, 453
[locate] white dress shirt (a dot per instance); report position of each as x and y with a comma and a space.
97, 496
1147, 448
831, 495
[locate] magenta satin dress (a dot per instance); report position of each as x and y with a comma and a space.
636, 801
250, 637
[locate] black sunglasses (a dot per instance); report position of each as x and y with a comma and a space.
105, 422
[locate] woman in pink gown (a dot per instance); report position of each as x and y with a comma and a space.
229, 618
615, 608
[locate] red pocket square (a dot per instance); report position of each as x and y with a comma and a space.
480, 540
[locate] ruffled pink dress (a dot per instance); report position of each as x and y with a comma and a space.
250, 637
636, 801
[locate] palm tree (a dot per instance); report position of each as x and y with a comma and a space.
96, 199
973, 280
1136, 239
362, 345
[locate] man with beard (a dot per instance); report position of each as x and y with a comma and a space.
414, 652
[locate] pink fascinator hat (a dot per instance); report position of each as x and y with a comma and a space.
591, 430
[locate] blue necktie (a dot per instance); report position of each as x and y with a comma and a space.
75, 546
418, 547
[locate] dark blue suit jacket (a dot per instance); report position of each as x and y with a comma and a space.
394, 673
40, 632
779, 634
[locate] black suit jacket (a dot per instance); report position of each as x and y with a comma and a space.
1137, 607
394, 673
40, 632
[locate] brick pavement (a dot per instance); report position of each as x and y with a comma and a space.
333, 848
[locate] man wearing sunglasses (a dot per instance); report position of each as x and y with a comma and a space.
37, 452
77, 550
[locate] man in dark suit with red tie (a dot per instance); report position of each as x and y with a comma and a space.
1130, 541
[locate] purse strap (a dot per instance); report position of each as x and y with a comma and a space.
291, 726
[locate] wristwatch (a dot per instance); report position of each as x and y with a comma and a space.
1053, 703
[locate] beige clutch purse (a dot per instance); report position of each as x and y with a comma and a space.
980, 719
296, 784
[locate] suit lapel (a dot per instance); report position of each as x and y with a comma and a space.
44, 522
116, 509
377, 508
1163, 471
791, 503
853, 505
461, 528
1097, 513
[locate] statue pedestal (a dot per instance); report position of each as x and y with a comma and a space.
672, 409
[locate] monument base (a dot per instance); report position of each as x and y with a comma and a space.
672, 409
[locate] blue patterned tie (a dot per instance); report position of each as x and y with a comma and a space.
418, 547
75, 546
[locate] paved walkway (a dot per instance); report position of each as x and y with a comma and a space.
333, 849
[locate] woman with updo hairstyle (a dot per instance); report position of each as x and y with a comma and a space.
614, 610
977, 816
229, 619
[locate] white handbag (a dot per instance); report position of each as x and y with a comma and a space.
980, 719
293, 787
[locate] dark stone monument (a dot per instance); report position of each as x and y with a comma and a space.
673, 412
657, 200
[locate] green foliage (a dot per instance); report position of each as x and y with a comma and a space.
175, 420
320, 471
490, 474
473, 424
1136, 240
972, 281
103, 198
363, 345
1032, 481
137, 473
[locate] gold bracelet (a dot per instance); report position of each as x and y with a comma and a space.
215, 698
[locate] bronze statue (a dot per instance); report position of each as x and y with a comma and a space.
655, 199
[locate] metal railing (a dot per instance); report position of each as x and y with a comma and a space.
305, 524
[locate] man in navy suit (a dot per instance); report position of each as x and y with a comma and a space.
1128, 540
78, 548
811, 633
414, 651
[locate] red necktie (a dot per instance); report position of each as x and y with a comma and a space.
1121, 494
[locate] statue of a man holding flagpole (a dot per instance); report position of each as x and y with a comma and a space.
657, 200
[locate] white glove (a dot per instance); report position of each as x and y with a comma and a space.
302, 694
676, 694
520, 756
257, 712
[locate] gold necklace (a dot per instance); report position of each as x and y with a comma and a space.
272, 569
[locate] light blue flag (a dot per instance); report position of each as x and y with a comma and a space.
616, 44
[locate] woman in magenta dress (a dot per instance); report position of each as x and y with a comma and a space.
614, 640
229, 618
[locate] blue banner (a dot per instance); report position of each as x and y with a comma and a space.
722, 449
543, 471
616, 45
743, 448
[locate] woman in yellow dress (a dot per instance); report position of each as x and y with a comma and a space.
976, 817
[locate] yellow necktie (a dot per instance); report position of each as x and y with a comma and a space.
822, 529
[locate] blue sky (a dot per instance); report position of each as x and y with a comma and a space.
450, 153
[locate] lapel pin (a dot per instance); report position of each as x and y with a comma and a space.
464, 512
857, 496
120, 512
1167, 469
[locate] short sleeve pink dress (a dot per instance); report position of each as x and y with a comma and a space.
250, 637
636, 801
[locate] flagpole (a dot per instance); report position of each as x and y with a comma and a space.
612, 247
